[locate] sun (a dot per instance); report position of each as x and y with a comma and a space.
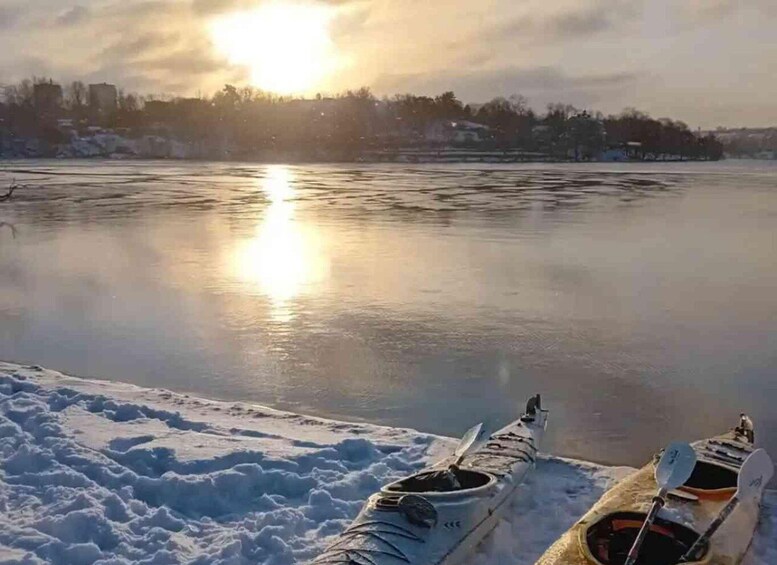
285, 46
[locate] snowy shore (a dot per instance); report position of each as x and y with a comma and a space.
109, 473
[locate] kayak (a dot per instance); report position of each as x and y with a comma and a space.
606, 533
439, 515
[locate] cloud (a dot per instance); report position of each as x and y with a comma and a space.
194, 61
568, 23
581, 24
142, 8
75, 15
146, 42
209, 7
528, 34
213, 7
540, 84
31, 66
700, 10
10, 15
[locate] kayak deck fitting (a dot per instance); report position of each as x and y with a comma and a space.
439, 515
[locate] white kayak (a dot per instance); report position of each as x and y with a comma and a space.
439, 515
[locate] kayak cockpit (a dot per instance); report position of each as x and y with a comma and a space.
453, 479
610, 539
711, 481
708, 476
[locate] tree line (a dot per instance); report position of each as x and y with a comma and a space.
247, 121
749, 142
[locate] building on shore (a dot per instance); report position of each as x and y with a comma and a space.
457, 132
157, 111
103, 99
47, 97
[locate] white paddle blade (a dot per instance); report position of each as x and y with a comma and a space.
469, 440
675, 466
756, 472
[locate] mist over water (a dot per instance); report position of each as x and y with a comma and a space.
639, 299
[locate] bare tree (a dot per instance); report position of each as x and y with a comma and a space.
10, 226
76, 95
127, 102
20, 94
519, 103
3, 198
11, 189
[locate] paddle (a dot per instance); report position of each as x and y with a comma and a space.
673, 469
754, 474
469, 442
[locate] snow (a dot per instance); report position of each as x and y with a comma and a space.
110, 473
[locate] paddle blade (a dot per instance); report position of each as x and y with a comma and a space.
675, 466
756, 472
469, 441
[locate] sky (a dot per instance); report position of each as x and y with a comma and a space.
707, 62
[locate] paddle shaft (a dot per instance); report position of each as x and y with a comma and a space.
658, 503
711, 529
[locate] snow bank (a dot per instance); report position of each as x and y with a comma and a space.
98, 472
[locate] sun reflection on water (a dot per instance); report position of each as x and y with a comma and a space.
284, 258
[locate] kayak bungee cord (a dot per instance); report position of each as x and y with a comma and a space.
336, 554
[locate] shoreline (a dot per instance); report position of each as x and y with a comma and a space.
178, 151
102, 470
400, 159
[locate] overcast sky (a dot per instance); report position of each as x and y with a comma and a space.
707, 62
